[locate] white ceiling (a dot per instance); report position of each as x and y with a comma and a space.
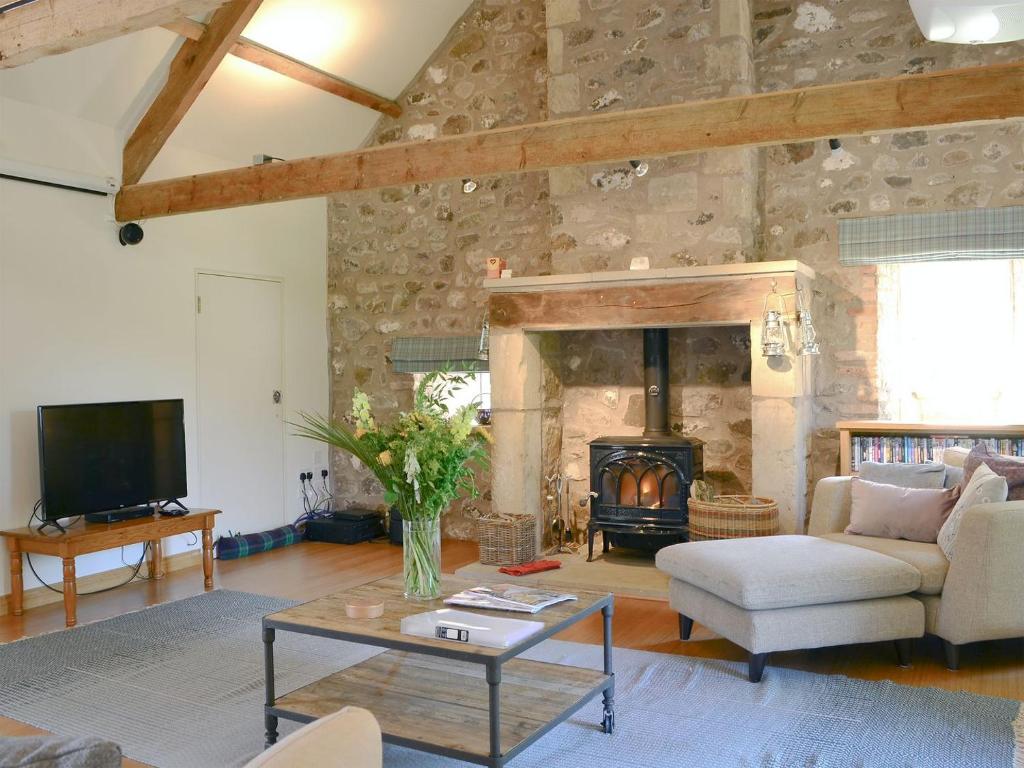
245, 109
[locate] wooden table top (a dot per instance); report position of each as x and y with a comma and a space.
82, 529
326, 617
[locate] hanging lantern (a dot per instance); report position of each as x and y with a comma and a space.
773, 334
808, 336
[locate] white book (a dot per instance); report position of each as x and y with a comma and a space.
469, 628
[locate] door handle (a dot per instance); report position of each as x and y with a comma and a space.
277, 395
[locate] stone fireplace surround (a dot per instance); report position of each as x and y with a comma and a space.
522, 309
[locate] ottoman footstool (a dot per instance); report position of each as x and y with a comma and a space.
781, 593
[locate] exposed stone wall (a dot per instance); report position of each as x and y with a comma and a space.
807, 190
409, 261
611, 55
607, 55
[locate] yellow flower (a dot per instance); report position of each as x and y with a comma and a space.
384, 457
359, 432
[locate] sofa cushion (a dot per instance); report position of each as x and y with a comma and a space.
787, 571
1010, 467
926, 558
896, 512
984, 487
58, 752
928, 475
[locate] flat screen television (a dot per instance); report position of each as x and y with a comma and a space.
103, 457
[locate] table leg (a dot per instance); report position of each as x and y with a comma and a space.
494, 713
608, 722
208, 557
156, 559
269, 721
70, 593
17, 584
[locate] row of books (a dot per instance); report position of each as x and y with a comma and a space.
917, 450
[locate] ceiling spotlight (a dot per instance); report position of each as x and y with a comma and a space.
969, 22
640, 167
468, 186
836, 146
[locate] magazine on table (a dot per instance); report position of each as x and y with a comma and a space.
508, 597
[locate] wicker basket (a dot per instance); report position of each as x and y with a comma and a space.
733, 517
507, 539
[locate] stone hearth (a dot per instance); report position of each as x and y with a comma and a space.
525, 311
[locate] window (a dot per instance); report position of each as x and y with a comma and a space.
950, 341
477, 388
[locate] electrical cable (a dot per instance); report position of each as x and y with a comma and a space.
135, 568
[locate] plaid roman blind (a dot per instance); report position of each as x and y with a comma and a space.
979, 233
422, 354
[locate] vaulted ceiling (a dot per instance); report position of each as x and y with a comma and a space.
245, 109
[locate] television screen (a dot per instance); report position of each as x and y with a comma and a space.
105, 456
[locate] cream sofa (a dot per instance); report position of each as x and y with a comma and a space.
977, 596
829, 588
348, 738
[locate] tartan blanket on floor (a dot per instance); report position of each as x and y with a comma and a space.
232, 547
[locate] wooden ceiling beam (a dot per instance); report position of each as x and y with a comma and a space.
270, 59
57, 26
978, 94
191, 68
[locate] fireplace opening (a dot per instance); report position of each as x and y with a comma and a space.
640, 485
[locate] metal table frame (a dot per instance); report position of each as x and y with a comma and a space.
492, 665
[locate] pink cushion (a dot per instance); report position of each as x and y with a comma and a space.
1010, 467
892, 512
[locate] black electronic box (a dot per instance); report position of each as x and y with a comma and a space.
350, 526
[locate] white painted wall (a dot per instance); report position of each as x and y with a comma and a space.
84, 319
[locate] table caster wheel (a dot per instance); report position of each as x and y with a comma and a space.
608, 723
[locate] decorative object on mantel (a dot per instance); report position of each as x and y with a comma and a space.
730, 516
507, 539
495, 265
424, 459
773, 331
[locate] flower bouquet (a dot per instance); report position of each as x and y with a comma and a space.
424, 459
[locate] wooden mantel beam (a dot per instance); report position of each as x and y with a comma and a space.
270, 59
191, 68
57, 26
978, 94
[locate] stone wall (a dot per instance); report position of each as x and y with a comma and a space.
410, 260
688, 210
807, 190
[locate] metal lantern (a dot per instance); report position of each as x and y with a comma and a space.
773, 335
808, 336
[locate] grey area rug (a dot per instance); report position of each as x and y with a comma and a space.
180, 685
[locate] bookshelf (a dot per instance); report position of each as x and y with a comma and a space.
897, 441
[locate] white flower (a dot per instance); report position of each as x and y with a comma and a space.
412, 471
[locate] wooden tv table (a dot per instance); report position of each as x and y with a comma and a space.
83, 538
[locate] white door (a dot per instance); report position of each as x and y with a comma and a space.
241, 433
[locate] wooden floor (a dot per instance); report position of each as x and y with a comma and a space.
308, 570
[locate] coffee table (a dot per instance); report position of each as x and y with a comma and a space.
430, 694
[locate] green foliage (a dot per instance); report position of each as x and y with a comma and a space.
425, 458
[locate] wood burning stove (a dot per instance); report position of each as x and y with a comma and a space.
640, 485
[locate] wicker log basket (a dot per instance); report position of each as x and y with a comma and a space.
507, 539
733, 517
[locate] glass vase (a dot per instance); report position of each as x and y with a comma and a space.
421, 559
